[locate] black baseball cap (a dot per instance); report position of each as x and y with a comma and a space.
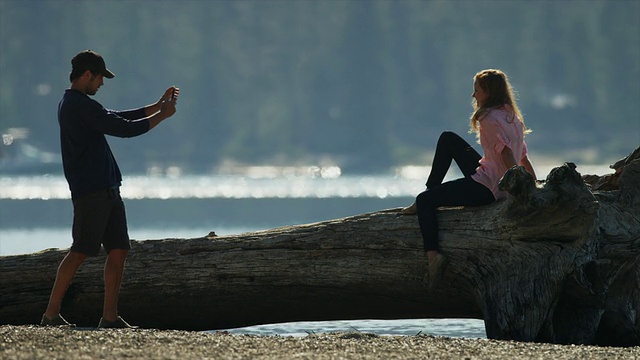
92, 61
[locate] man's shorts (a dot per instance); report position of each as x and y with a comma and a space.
99, 219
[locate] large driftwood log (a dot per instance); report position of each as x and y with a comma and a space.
555, 262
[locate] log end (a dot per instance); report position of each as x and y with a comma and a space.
518, 182
563, 185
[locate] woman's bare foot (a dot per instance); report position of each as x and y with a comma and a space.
409, 210
431, 255
437, 264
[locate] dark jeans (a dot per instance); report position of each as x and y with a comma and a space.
460, 192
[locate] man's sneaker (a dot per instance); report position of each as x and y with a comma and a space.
119, 323
58, 320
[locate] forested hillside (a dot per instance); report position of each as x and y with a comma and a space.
366, 85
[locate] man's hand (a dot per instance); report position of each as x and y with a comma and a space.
171, 93
166, 106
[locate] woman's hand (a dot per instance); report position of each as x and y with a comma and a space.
507, 158
528, 166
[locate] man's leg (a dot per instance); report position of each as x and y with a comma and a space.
116, 243
113, 272
66, 271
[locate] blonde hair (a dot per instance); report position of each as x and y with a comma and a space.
500, 93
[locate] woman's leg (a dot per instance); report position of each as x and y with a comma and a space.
460, 192
452, 147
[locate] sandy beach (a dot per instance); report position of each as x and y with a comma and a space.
35, 342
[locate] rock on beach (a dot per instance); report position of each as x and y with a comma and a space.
35, 342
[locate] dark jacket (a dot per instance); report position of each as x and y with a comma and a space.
88, 162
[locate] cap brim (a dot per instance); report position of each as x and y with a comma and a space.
108, 74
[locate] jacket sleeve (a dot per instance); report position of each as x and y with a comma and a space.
114, 124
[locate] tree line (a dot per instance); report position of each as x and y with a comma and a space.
362, 84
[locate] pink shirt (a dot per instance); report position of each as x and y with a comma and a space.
498, 129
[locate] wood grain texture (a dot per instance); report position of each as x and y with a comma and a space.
556, 262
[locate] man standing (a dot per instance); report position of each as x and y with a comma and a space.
94, 180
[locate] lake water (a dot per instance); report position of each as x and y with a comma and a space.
36, 214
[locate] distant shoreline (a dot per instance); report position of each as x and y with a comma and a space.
35, 342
